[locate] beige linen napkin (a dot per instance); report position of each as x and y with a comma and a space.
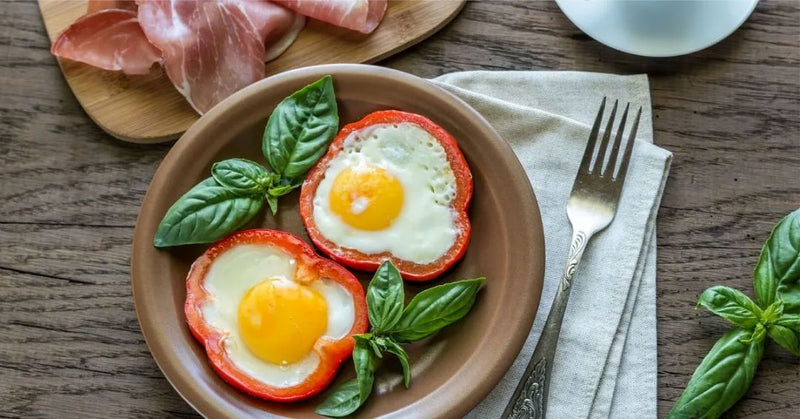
605, 365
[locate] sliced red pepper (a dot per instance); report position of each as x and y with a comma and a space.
310, 267
370, 262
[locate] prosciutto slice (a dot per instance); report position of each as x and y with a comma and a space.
277, 26
358, 15
95, 5
211, 49
110, 39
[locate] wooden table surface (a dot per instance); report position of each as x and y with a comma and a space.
70, 343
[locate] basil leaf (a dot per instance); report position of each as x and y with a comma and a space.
791, 321
272, 200
342, 402
301, 127
394, 348
364, 360
435, 308
732, 305
385, 298
777, 273
376, 349
241, 174
722, 378
207, 213
786, 332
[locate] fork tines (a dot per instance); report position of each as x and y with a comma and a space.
594, 158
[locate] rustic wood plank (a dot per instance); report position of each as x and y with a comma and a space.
69, 195
71, 343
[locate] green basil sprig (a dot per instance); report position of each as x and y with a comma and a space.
296, 136
427, 313
727, 371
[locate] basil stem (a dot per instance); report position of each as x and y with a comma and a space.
300, 128
205, 214
772, 313
732, 305
722, 378
385, 298
435, 308
282, 190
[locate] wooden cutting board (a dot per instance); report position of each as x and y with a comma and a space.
148, 109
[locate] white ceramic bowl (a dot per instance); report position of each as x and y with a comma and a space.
658, 28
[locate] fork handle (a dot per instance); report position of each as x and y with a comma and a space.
530, 397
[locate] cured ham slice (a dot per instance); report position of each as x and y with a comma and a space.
110, 39
211, 49
95, 5
277, 26
358, 15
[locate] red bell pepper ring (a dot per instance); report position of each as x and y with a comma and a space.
369, 262
310, 266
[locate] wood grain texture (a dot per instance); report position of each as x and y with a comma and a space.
69, 195
148, 109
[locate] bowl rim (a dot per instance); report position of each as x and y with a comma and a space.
601, 37
468, 392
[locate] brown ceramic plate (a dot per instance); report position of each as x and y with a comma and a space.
452, 371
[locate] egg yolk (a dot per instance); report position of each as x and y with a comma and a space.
281, 320
367, 199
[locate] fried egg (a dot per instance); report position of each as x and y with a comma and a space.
389, 190
271, 317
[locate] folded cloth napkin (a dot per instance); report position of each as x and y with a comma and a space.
606, 363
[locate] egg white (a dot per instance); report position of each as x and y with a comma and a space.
230, 277
425, 228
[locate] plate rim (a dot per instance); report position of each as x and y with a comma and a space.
521, 183
700, 47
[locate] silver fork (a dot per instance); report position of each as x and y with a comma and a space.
591, 207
